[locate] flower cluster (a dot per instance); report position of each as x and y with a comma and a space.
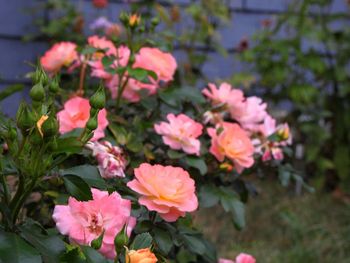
234, 132
163, 64
256, 127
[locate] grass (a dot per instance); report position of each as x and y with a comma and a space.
282, 227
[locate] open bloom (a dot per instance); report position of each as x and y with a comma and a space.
231, 141
180, 133
59, 55
121, 54
241, 258
166, 189
102, 43
251, 113
131, 90
225, 94
140, 256
76, 113
86, 221
111, 159
245, 258
161, 63
224, 260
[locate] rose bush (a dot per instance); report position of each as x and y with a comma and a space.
122, 155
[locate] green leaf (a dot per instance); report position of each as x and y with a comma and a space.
88, 173
89, 50
209, 195
163, 240
175, 154
197, 163
194, 244
77, 187
49, 246
231, 203
133, 143
119, 133
13, 249
68, 145
92, 256
8, 91
143, 240
107, 61
142, 75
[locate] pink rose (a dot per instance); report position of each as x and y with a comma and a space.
111, 159
76, 113
85, 221
59, 55
245, 258
225, 94
161, 63
251, 113
231, 141
121, 53
166, 189
131, 90
224, 260
180, 133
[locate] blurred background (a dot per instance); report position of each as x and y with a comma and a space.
293, 53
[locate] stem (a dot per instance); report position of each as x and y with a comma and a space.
120, 91
6, 190
19, 192
80, 91
18, 205
21, 147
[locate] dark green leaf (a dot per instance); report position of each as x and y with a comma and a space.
49, 246
13, 249
88, 173
92, 256
163, 240
77, 187
197, 163
209, 195
143, 240
194, 244
175, 154
68, 145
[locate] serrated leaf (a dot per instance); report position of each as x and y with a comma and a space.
143, 240
163, 240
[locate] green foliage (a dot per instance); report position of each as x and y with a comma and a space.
301, 58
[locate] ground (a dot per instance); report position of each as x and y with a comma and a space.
282, 227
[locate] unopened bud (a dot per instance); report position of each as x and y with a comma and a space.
25, 118
98, 100
124, 18
155, 21
134, 20
92, 123
121, 240
54, 86
97, 243
37, 93
50, 127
